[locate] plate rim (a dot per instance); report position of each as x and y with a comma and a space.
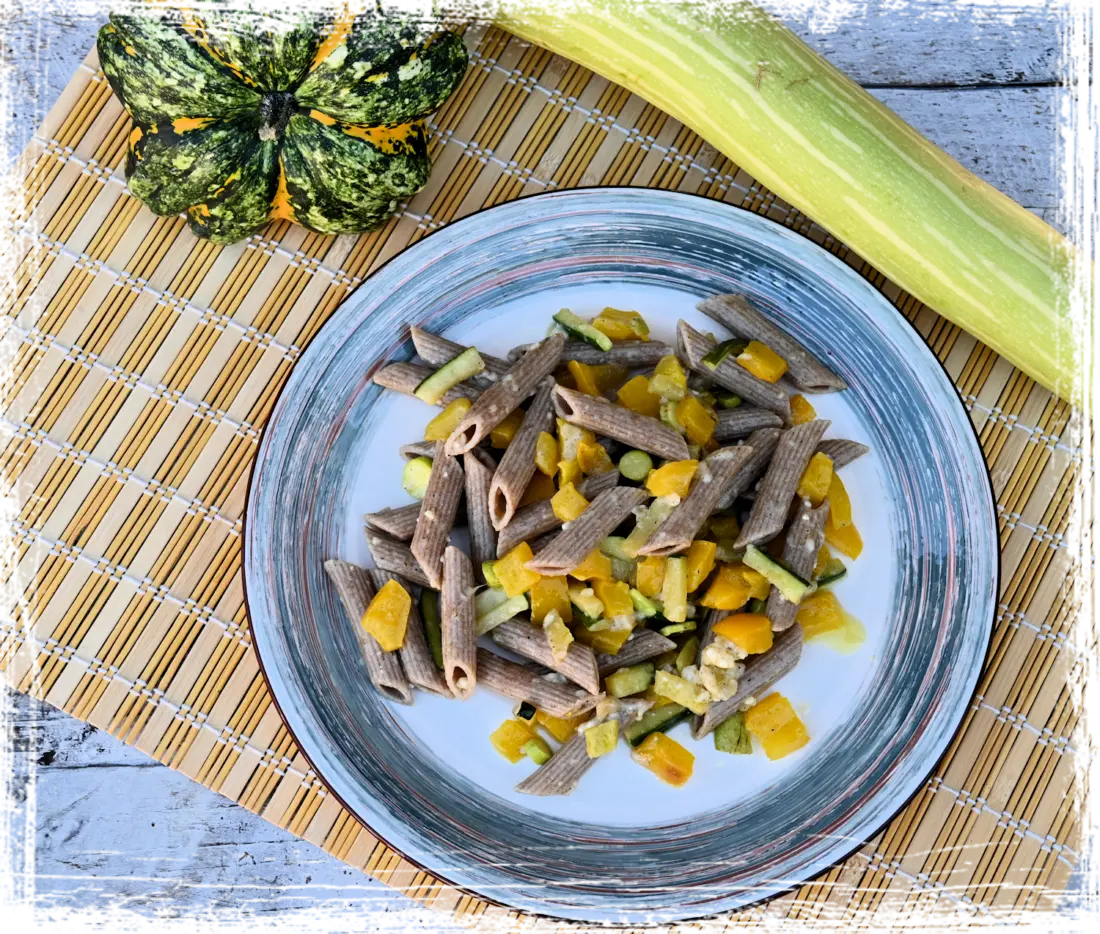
764, 223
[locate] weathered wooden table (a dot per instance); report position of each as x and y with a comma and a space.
111, 828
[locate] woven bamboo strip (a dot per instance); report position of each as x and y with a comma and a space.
146, 362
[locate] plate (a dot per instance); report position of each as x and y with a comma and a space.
624, 848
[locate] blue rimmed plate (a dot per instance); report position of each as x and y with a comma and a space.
624, 848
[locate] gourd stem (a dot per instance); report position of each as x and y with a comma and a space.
276, 108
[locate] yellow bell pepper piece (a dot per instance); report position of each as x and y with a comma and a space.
621, 325
615, 597
840, 506
440, 427
551, 593
733, 586
509, 738
635, 395
820, 612
750, 632
539, 487
665, 758
725, 527
700, 562
514, 578
824, 556
669, 380
816, 478
597, 566
585, 377
387, 616
560, 729
546, 453
762, 362
592, 457
607, 641
698, 423
674, 478
650, 575
846, 540
569, 471
502, 435
567, 503
801, 410
779, 729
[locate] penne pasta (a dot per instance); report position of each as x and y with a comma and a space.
842, 452
405, 377
353, 585
693, 346
631, 354
458, 623
805, 536
567, 766
712, 479
773, 498
532, 521
585, 533
605, 418
505, 395
528, 640
417, 449
399, 523
416, 657
642, 645
738, 315
517, 466
522, 683
437, 515
437, 352
763, 442
395, 556
742, 421
479, 468
761, 673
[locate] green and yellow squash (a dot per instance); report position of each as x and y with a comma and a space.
755, 91
240, 117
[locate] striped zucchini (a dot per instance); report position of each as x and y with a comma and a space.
750, 87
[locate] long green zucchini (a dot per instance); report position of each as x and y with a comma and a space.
750, 87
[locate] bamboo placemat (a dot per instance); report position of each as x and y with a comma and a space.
144, 362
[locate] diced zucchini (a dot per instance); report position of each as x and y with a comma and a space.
688, 653
433, 632
681, 691
793, 587
526, 711
673, 628
501, 612
622, 569
635, 465
643, 606
733, 346
674, 590
632, 680
648, 522
488, 599
537, 750
585, 600
834, 570
660, 719
668, 416
435, 387
601, 739
614, 546
756, 605
488, 571
726, 553
727, 400
579, 329
732, 736
415, 476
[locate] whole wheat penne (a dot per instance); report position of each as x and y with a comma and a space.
416, 657
504, 396
521, 683
773, 499
458, 624
531, 521
437, 351
741, 422
763, 442
517, 466
642, 645
585, 533
739, 316
400, 523
615, 421
560, 775
631, 354
523, 638
693, 346
437, 515
805, 536
417, 449
711, 480
355, 590
479, 469
392, 555
760, 673
842, 452
405, 377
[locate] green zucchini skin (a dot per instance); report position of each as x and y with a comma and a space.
243, 117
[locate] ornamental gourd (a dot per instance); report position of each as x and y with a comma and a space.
241, 118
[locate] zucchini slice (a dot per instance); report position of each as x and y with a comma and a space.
793, 587
433, 632
733, 347
659, 720
579, 329
435, 387
834, 570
